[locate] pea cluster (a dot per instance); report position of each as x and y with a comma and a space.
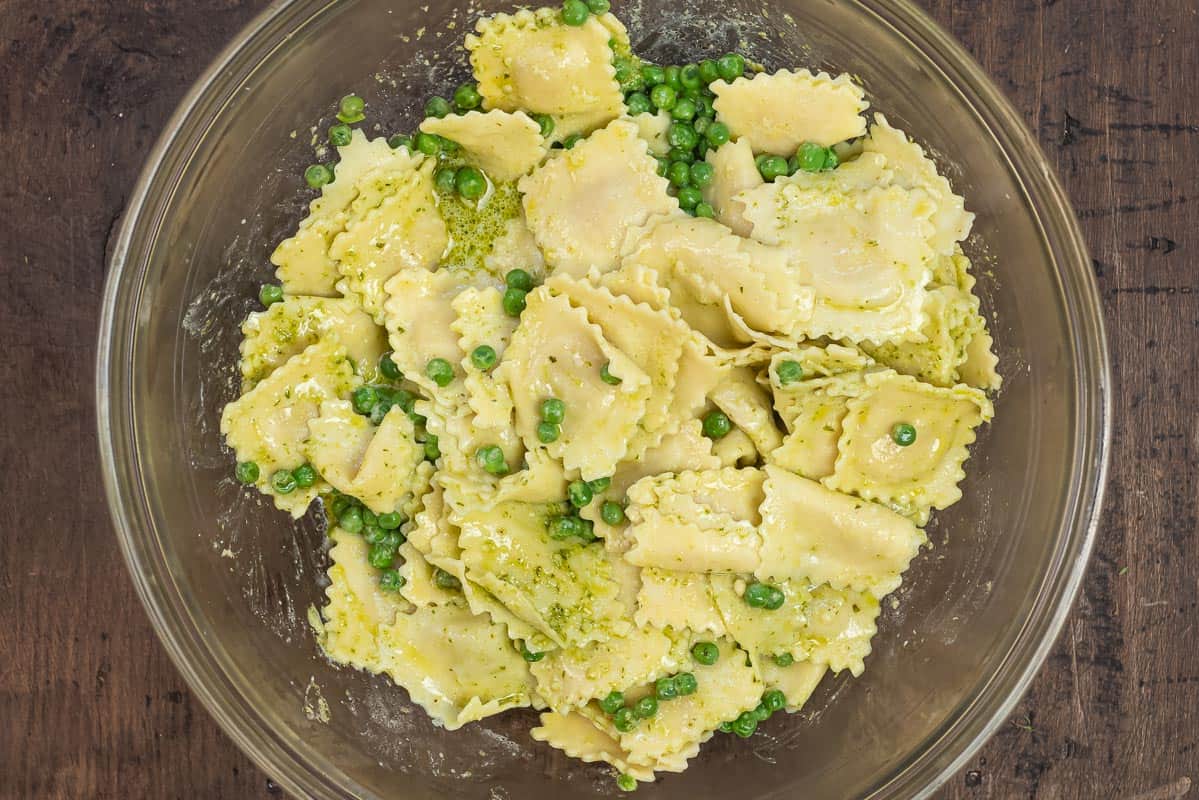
553, 412
564, 521
764, 596
350, 110
809, 157
747, 722
283, 481
576, 12
469, 182
519, 284
626, 717
491, 458
381, 532
683, 92
375, 400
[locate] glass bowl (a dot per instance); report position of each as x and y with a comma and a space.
228, 581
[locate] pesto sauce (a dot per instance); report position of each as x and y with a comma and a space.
474, 228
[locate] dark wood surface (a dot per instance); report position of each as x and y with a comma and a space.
90, 705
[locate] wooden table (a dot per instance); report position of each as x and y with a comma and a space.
90, 706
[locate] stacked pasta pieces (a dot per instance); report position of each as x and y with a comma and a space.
814, 313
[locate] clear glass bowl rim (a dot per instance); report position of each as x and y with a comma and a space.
306, 775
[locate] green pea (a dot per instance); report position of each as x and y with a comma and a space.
570, 141
903, 434
684, 110
399, 140
318, 175
470, 183
391, 580
772, 167
305, 476
705, 105
683, 154
529, 655
706, 653
755, 595
546, 123
575, 12
663, 166
831, 159
579, 494
467, 97
283, 481
646, 707
708, 71
638, 103
351, 520
625, 719
269, 294
679, 174
428, 144
686, 683
663, 96
340, 135
351, 109
704, 210
444, 580
702, 174
491, 459
565, 527
784, 659
389, 368
599, 6
446, 180
364, 398
730, 66
548, 432
369, 517
810, 157
717, 134
449, 147
760, 712
600, 485
246, 472
716, 425
628, 75
725, 727
553, 410
682, 135
608, 378
788, 372
380, 555
701, 125
653, 74
690, 78
519, 279
612, 702
671, 78
483, 357
665, 688
373, 534
432, 450
437, 107
626, 783
404, 399
745, 725
391, 520
690, 197
440, 371
774, 700
514, 302
611, 513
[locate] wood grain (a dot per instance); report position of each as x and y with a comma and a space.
93, 708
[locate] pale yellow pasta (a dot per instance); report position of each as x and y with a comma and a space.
575, 431
582, 202
778, 112
505, 145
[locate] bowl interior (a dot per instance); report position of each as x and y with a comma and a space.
229, 581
